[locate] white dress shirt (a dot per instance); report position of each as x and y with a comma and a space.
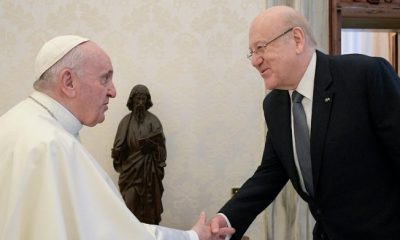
305, 88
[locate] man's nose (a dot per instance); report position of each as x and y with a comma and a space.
256, 60
112, 92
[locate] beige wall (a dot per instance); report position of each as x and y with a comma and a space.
191, 55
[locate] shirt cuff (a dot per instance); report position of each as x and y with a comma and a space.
228, 223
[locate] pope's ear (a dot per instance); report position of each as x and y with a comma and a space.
67, 82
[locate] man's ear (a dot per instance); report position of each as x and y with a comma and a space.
299, 38
67, 82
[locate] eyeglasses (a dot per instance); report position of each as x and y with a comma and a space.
261, 47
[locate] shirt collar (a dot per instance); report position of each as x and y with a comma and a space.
62, 115
306, 84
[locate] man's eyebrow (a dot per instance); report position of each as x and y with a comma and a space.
108, 74
258, 42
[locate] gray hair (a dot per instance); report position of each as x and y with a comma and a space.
294, 20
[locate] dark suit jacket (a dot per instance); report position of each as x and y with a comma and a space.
355, 151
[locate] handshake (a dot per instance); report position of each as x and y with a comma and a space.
216, 229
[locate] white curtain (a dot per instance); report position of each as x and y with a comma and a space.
372, 42
369, 42
288, 217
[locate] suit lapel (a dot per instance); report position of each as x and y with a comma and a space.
322, 102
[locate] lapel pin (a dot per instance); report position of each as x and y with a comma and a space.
327, 99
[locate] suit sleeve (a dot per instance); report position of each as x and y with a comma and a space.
384, 100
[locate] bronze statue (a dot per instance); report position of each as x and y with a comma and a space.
139, 156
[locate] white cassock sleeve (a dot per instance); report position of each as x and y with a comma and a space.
52, 188
164, 233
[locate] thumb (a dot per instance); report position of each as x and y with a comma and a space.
202, 218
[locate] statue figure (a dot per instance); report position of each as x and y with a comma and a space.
139, 156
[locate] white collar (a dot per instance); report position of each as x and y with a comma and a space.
306, 84
59, 112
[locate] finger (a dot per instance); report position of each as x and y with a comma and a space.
214, 226
226, 231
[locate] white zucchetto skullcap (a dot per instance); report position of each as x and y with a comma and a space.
54, 50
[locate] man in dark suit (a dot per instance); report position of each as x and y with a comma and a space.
352, 110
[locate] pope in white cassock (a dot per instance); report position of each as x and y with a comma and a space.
51, 188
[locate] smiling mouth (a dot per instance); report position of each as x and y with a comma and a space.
263, 71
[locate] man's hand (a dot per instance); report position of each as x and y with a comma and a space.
203, 229
219, 227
